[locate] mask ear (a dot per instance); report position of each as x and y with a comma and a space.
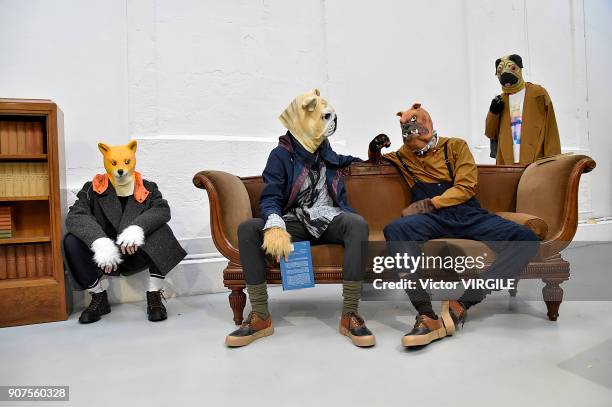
497, 61
132, 145
416, 106
104, 148
317, 92
310, 104
400, 113
517, 60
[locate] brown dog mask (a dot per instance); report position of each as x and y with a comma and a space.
416, 122
417, 129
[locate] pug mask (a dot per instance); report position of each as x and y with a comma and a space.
508, 70
310, 119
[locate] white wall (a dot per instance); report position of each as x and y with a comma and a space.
200, 84
73, 52
598, 34
209, 79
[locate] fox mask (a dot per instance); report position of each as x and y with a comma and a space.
120, 164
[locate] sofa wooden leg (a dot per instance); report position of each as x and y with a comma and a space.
514, 290
553, 296
237, 300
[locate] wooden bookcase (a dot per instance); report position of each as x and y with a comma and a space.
32, 184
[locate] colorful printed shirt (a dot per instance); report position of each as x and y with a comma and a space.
516, 121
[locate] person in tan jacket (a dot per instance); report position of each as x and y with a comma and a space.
443, 178
521, 121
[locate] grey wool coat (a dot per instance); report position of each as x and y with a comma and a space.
97, 215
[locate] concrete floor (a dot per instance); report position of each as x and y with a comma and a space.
508, 354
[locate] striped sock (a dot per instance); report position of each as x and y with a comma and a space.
96, 287
258, 296
351, 293
156, 282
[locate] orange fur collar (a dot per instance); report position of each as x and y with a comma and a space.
101, 182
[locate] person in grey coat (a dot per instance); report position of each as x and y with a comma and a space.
118, 226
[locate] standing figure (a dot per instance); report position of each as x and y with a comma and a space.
521, 121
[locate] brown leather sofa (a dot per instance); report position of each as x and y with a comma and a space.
543, 196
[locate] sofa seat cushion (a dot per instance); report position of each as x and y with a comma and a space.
376, 236
329, 255
537, 225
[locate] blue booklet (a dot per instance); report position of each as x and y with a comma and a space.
297, 272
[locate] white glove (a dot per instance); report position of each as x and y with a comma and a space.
106, 254
131, 239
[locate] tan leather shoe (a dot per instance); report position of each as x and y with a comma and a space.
253, 328
353, 326
425, 331
452, 314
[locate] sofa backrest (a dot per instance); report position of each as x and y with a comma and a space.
379, 192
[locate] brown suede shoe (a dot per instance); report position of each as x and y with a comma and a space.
452, 314
353, 326
253, 328
425, 331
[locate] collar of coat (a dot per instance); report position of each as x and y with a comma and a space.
101, 182
406, 152
531, 91
291, 144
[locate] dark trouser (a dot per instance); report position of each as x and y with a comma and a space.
348, 229
467, 221
86, 272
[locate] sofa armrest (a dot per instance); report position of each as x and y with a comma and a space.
535, 224
229, 207
548, 189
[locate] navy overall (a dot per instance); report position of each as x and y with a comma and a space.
464, 221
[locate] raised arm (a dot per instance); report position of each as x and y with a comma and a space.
377, 144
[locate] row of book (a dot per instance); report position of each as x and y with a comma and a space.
6, 222
25, 261
19, 179
21, 137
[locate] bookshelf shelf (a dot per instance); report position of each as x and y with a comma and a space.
23, 198
28, 282
21, 240
23, 157
32, 187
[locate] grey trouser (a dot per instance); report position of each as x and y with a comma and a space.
348, 229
